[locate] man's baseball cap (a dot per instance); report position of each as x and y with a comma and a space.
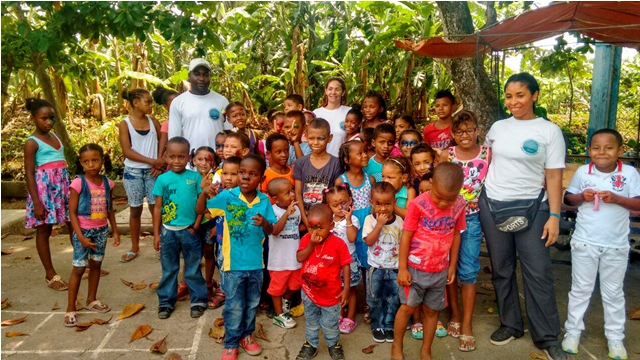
199, 62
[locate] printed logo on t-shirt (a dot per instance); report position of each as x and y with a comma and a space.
618, 182
342, 125
587, 184
442, 225
530, 147
214, 114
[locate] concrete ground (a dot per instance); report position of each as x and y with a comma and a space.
23, 285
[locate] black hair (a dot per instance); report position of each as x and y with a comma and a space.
463, 116
320, 123
383, 187
527, 80
259, 159
296, 98
179, 140
367, 134
343, 154
446, 93
381, 102
427, 176
194, 152
400, 162
336, 190
356, 111
613, 132
242, 137
423, 148
384, 128
232, 160
273, 138
108, 166
408, 119
33, 105
273, 114
411, 131
274, 185
320, 212
298, 115
343, 98
232, 105
134, 94
161, 95
448, 175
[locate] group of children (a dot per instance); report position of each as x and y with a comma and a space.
393, 212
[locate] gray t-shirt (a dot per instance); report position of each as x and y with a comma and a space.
315, 181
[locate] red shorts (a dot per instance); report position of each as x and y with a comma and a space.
284, 279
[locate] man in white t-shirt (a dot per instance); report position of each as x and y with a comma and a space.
197, 114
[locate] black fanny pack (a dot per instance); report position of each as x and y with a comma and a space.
516, 215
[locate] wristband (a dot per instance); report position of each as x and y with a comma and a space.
555, 214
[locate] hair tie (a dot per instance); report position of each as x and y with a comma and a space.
343, 185
398, 162
325, 191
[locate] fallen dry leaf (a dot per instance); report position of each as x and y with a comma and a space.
218, 322
140, 286
27, 238
486, 270
160, 346
128, 283
369, 349
6, 305
490, 310
217, 333
83, 326
7, 252
537, 356
130, 310
15, 333
55, 306
260, 332
4, 300
154, 285
145, 233
172, 356
487, 285
11, 322
634, 314
141, 331
28, 257
99, 321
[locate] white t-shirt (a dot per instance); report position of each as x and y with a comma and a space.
198, 118
284, 246
609, 226
383, 254
521, 150
340, 230
336, 120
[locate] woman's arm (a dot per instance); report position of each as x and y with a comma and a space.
554, 194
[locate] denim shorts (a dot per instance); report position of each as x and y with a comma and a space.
138, 183
469, 255
356, 274
81, 254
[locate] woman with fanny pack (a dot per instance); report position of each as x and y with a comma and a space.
519, 211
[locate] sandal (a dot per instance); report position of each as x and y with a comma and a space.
440, 330
56, 279
454, 329
218, 300
417, 331
70, 319
97, 306
466, 343
183, 292
367, 314
103, 272
347, 326
128, 256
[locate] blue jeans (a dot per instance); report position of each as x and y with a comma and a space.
382, 297
469, 256
173, 243
242, 289
317, 317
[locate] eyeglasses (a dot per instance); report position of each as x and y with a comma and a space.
468, 132
408, 143
219, 146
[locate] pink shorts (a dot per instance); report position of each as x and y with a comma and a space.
283, 280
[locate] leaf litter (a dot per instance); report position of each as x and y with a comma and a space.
15, 333
134, 286
12, 322
96, 321
369, 349
634, 314
217, 331
142, 331
260, 332
130, 310
160, 346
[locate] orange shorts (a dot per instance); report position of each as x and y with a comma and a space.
284, 279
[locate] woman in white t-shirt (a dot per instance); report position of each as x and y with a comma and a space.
527, 152
334, 111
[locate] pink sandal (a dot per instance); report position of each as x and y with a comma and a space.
347, 326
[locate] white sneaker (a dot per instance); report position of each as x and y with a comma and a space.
285, 321
617, 350
570, 343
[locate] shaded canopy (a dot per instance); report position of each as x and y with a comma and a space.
617, 23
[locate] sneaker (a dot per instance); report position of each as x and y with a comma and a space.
284, 321
286, 305
554, 352
388, 335
250, 345
307, 352
501, 337
197, 311
229, 354
617, 350
336, 352
378, 335
347, 326
164, 312
570, 343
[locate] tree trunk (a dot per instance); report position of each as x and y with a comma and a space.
59, 126
116, 53
407, 93
469, 77
61, 92
7, 70
570, 76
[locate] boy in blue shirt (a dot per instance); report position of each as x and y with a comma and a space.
177, 190
248, 216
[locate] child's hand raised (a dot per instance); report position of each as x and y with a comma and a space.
382, 219
348, 211
206, 181
87, 243
291, 208
259, 220
315, 238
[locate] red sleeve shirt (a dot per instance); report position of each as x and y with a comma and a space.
321, 271
437, 138
433, 229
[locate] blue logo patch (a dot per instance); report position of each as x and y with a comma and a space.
530, 147
342, 125
214, 114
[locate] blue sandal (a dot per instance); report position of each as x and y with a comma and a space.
128, 256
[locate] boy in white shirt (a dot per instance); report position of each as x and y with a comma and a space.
605, 191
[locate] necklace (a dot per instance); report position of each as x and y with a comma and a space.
321, 250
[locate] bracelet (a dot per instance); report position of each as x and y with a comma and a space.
555, 214
348, 225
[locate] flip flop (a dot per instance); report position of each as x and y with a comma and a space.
128, 256
97, 306
454, 329
57, 279
466, 343
103, 272
70, 319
